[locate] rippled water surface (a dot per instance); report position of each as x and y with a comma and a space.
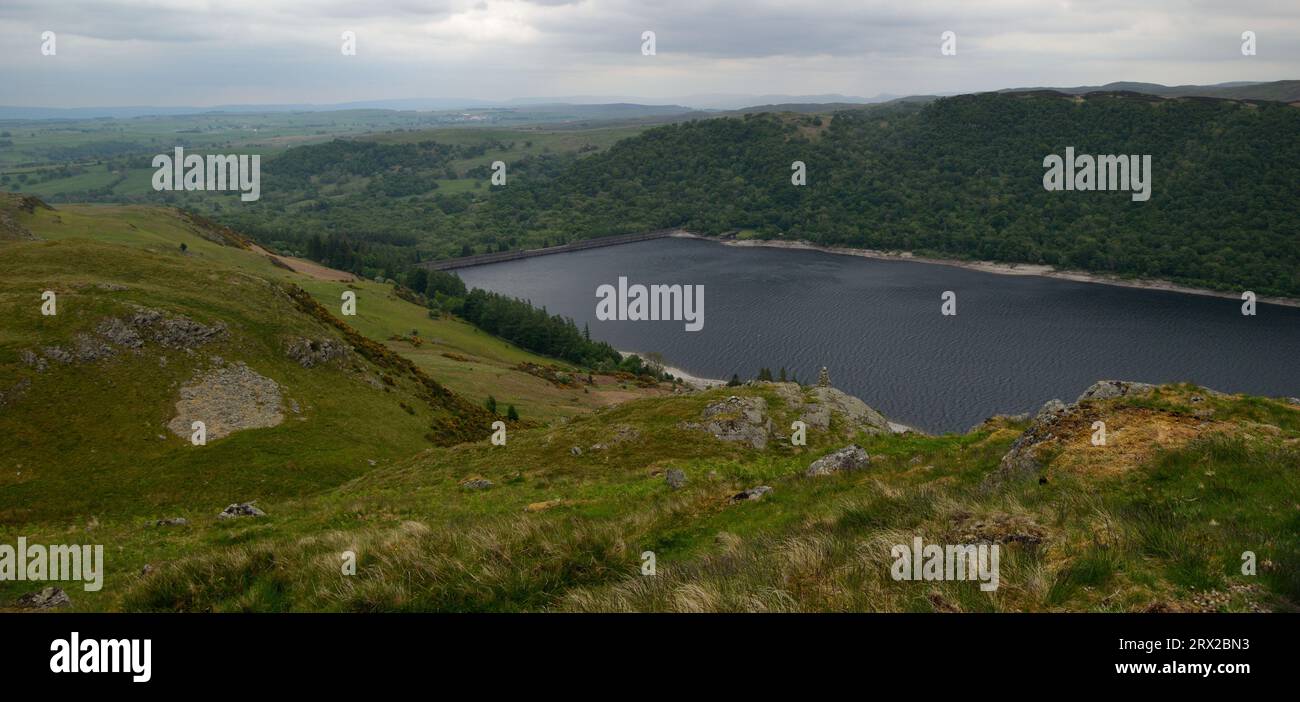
1014, 343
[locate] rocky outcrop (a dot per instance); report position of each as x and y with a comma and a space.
227, 399
754, 493
1031, 450
1027, 455
1108, 389
623, 433
118, 331
114, 334
46, 598
736, 418
175, 332
747, 418
851, 457
240, 509
88, 349
309, 353
675, 478
29, 357
855, 415
10, 206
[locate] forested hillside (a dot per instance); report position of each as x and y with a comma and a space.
961, 177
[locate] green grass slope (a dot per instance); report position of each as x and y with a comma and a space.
84, 417
458, 354
1157, 520
379, 461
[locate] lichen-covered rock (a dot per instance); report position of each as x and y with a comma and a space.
851, 457
58, 354
1050, 410
477, 484
309, 353
178, 332
30, 358
88, 349
736, 418
240, 509
855, 414
227, 399
746, 418
1107, 389
754, 493
46, 598
117, 331
675, 478
1026, 457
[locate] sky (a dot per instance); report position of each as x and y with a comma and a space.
203, 53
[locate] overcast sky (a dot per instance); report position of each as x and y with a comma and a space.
190, 52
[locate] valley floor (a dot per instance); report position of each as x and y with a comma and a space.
362, 443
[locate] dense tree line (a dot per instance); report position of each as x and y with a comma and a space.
516, 321
535, 329
960, 177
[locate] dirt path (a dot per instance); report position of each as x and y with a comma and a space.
307, 268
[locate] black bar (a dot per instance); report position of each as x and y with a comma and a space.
992, 653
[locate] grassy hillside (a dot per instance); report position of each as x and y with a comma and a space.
1156, 520
359, 454
459, 355
90, 391
87, 394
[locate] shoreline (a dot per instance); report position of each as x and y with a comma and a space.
1032, 269
698, 383
694, 381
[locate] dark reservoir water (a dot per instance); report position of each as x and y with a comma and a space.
1015, 342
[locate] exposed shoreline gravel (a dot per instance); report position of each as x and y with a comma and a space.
1042, 271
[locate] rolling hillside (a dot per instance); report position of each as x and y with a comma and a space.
149, 336
360, 442
563, 518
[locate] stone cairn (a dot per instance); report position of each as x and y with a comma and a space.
823, 378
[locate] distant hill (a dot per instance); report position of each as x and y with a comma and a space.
633, 107
1278, 90
624, 110
957, 177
